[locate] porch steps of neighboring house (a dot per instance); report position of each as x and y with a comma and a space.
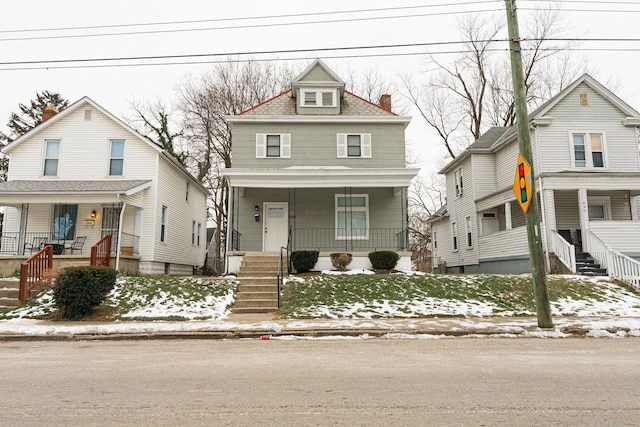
258, 288
10, 294
587, 266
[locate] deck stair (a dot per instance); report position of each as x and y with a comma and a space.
258, 288
586, 265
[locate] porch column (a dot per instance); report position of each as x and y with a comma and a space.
507, 215
583, 211
633, 201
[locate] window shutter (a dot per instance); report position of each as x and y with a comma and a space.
342, 145
285, 145
261, 145
366, 145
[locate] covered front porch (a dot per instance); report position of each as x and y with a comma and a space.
314, 210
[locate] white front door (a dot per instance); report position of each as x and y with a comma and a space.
276, 219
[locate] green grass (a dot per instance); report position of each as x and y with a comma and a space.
439, 295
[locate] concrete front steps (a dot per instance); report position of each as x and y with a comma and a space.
10, 294
258, 288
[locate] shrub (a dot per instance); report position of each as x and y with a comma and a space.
304, 261
384, 260
341, 260
78, 290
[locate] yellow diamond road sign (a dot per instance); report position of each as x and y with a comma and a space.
522, 183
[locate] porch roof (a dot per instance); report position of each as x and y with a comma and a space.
320, 177
32, 191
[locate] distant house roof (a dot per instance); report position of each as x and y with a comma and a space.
17, 187
438, 214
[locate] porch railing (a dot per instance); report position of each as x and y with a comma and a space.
34, 271
235, 240
565, 251
101, 252
618, 265
16, 243
371, 239
130, 242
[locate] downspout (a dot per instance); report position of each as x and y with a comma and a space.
120, 222
545, 244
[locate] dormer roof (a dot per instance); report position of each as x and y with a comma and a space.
317, 74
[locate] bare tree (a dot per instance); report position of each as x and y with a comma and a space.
473, 92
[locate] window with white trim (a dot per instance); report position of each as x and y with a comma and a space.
454, 236
458, 181
352, 216
199, 232
273, 145
468, 230
116, 158
354, 145
186, 191
163, 223
588, 150
434, 240
51, 157
318, 97
193, 232
599, 208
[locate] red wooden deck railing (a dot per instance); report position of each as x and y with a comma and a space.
34, 271
101, 252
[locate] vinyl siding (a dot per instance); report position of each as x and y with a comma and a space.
177, 247
316, 145
600, 116
620, 236
84, 150
484, 174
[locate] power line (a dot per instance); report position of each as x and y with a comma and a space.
232, 27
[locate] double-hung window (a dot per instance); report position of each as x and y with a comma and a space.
318, 98
116, 159
458, 182
468, 230
352, 216
51, 156
454, 236
588, 150
163, 223
273, 145
354, 145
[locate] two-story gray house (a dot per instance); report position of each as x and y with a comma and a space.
318, 168
585, 153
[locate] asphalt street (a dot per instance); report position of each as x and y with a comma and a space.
318, 382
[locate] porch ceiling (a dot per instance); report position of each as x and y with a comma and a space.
322, 177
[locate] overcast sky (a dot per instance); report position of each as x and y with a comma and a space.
114, 86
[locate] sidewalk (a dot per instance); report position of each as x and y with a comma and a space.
265, 327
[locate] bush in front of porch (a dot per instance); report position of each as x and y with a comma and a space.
304, 261
79, 290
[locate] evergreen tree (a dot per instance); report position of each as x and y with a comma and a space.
28, 117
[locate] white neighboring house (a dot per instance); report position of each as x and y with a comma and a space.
85, 173
585, 154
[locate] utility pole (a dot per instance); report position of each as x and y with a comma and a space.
527, 186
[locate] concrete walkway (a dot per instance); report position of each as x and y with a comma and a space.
265, 326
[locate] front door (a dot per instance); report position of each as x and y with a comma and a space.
276, 221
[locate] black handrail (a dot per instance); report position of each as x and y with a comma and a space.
281, 271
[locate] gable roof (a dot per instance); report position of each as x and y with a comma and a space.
88, 101
497, 136
303, 78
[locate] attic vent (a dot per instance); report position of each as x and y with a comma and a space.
87, 115
584, 99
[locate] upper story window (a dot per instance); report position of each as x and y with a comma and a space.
354, 145
458, 181
51, 156
273, 145
317, 98
434, 240
588, 150
186, 192
116, 158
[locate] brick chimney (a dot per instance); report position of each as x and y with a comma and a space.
385, 102
47, 113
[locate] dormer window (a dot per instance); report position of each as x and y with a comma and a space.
317, 98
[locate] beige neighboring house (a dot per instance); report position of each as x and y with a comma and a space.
318, 168
82, 174
585, 143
